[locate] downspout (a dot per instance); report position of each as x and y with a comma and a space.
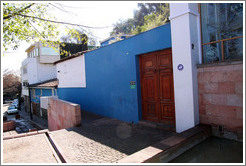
30, 108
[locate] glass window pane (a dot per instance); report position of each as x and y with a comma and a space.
49, 51
233, 49
211, 53
36, 50
221, 21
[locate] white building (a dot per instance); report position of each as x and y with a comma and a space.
38, 66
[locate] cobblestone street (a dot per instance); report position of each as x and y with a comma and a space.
98, 140
104, 140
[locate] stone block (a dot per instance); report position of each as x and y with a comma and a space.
7, 126
232, 123
218, 99
234, 100
239, 113
226, 87
239, 87
221, 110
201, 87
206, 98
236, 75
210, 87
218, 76
238, 67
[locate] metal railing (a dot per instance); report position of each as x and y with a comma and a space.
222, 46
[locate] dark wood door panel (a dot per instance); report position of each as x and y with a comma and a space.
167, 111
150, 111
148, 64
166, 87
165, 61
149, 87
157, 87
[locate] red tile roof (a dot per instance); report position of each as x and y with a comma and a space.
48, 83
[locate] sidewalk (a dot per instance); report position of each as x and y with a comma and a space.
98, 140
104, 140
38, 122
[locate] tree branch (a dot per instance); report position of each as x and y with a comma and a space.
60, 22
18, 12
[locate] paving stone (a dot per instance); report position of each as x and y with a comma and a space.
98, 139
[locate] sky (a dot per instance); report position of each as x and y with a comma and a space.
94, 14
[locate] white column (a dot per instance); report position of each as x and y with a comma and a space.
186, 53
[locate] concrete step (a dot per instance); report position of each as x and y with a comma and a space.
171, 147
156, 125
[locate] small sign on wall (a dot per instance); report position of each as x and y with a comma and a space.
132, 85
180, 67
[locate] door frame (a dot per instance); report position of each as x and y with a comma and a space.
138, 66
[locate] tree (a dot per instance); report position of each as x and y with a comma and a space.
11, 84
33, 22
148, 16
26, 21
75, 36
155, 19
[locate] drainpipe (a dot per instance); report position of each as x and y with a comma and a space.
30, 99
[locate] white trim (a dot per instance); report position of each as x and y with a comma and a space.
183, 13
199, 38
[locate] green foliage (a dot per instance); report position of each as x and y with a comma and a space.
20, 23
75, 36
148, 16
153, 20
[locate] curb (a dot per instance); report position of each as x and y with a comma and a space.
26, 134
171, 147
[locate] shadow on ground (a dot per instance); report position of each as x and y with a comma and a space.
122, 136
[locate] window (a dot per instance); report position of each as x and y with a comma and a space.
49, 51
25, 83
36, 52
222, 30
24, 70
33, 93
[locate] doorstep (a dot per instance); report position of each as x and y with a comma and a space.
157, 125
171, 147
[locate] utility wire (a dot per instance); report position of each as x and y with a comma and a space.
61, 9
70, 6
36, 30
60, 22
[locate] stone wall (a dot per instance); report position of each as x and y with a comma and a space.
63, 114
221, 97
8, 126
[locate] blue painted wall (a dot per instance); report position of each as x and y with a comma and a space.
109, 71
45, 92
107, 42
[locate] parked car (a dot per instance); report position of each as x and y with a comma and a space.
15, 104
7, 101
16, 100
12, 110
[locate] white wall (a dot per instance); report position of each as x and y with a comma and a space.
46, 72
24, 77
185, 31
32, 74
45, 101
49, 58
37, 72
71, 73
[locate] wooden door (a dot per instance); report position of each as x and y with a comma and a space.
157, 87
